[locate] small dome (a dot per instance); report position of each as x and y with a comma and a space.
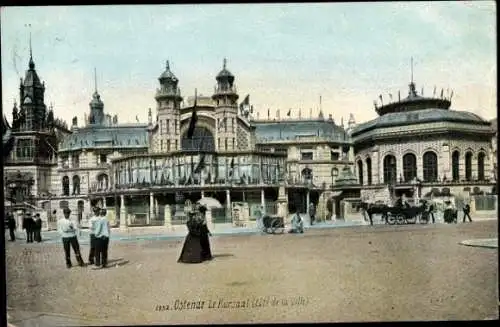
224, 73
96, 99
167, 74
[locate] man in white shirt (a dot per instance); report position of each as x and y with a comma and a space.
67, 230
92, 225
102, 233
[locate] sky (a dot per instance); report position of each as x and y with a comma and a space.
285, 56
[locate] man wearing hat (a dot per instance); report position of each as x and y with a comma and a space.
67, 230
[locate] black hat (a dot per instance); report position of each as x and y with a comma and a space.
67, 210
203, 209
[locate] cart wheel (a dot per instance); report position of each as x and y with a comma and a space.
391, 219
411, 220
400, 219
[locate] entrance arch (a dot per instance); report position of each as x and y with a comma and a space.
203, 140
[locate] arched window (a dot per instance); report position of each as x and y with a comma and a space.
307, 175
409, 167
76, 184
480, 166
102, 182
203, 139
389, 169
430, 166
360, 172
468, 166
65, 185
369, 170
455, 166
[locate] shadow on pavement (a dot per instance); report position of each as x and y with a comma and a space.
223, 255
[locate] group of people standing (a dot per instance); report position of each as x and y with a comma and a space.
99, 230
196, 248
32, 226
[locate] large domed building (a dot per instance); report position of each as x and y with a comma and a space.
419, 147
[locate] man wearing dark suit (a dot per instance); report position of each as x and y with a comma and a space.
28, 225
37, 230
466, 210
11, 224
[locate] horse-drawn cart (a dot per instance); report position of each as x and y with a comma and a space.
273, 224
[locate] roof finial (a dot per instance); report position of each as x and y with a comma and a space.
95, 79
224, 62
411, 70
31, 50
168, 65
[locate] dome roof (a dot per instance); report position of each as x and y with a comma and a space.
167, 74
96, 100
419, 117
121, 136
291, 130
224, 73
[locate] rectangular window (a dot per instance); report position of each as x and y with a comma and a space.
232, 124
225, 143
218, 144
161, 145
176, 145
102, 158
306, 156
168, 145
168, 127
234, 144
334, 156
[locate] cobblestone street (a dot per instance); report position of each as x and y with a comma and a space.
364, 273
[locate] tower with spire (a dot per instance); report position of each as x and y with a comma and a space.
35, 147
168, 104
225, 99
96, 116
31, 94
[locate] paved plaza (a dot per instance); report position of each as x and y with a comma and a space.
363, 273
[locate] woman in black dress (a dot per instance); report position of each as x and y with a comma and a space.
205, 233
192, 249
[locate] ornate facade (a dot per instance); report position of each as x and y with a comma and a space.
419, 147
144, 172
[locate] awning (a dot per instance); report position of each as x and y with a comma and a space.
336, 194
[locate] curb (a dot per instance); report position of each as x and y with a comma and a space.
490, 243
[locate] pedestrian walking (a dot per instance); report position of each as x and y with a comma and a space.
102, 233
38, 228
466, 210
431, 212
11, 224
67, 230
312, 213
92, 225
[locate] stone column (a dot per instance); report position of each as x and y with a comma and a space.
228, 203
103, 202
168, 216
308, 201
151, 209
123, 213
263, 198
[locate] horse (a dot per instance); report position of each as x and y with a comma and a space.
373, 208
